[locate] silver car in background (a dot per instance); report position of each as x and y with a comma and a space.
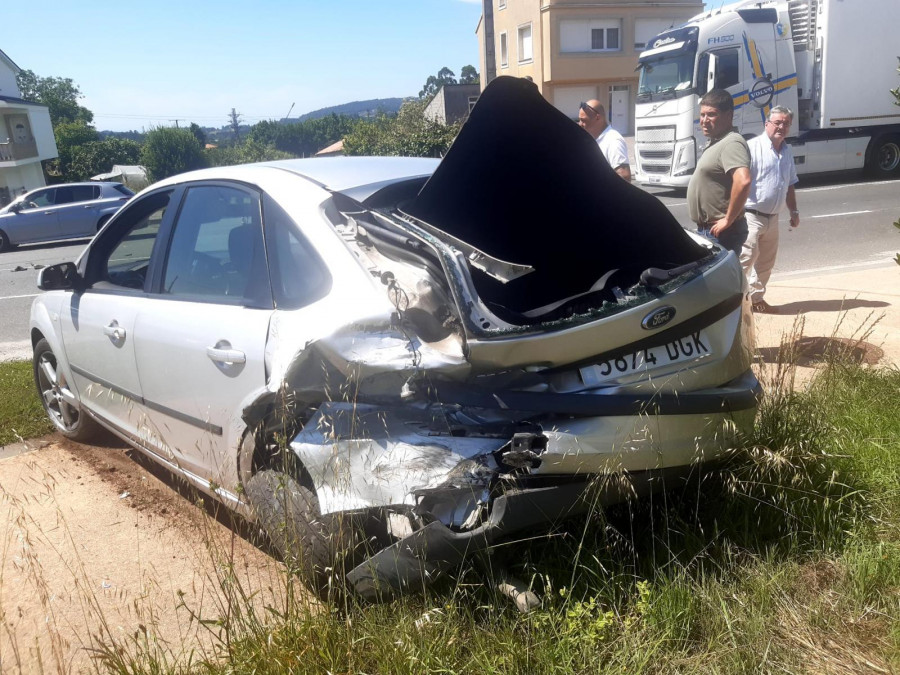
69, 211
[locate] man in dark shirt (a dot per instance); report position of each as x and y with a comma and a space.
721, 182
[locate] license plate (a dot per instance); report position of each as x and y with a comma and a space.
689, 348
655, 179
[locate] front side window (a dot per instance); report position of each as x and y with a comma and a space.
136, 230
217, 253
526, 51
41, 199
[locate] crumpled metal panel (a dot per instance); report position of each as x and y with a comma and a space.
362, 456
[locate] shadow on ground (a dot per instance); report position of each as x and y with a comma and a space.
809, 351
842, 305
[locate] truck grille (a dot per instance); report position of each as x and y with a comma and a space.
655, 135
654, 147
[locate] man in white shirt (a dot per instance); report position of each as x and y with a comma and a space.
592, 118
773, 178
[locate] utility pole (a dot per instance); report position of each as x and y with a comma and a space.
176, 122
286, 117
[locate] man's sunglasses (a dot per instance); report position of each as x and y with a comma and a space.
587, 108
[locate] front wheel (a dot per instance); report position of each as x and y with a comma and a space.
60, 403
883, 157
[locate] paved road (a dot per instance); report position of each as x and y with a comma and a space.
842, 223
845, 222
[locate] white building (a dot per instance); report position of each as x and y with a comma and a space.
26, 137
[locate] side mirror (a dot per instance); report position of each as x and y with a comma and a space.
60, 277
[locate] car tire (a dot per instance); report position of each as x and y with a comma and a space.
5, 243
883, 156
321, 548
60, 403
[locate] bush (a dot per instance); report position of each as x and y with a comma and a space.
169, 151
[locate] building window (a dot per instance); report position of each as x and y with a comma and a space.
590, 35
504, 51
501, 4
526, 52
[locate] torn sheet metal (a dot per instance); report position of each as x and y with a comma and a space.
362, 456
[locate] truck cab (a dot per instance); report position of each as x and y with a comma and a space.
801, 54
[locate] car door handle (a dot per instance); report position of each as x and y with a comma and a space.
220, 355
49, 213
114, 331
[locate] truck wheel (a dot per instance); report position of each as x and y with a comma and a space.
321, 548
5, 244
883, 158
60, 404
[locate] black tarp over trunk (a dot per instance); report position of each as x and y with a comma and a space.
525, 184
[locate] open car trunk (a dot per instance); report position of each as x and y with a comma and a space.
523, 184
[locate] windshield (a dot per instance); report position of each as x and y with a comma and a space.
666, 75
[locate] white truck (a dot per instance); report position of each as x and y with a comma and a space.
833, 62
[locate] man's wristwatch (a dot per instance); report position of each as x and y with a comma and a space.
795, 212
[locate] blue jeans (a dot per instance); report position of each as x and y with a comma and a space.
732, 238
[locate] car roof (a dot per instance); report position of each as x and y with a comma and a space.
356, 177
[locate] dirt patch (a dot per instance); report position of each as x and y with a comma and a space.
94, 549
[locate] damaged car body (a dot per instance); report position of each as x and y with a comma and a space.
403, 361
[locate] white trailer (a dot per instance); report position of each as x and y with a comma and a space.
833, 62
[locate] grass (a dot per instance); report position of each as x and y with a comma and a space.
21, 414
783, 559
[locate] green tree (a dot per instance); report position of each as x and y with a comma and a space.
244, 153
199, 134
408, 134
59, 94
468, 75
69, 137
99, 157
303, 139
168, 151
434, 82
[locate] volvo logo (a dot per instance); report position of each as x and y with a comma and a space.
761, 92
658, 318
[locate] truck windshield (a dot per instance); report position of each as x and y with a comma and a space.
666, 76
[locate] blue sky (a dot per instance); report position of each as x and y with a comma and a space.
145, 63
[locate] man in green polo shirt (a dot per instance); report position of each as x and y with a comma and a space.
721, 182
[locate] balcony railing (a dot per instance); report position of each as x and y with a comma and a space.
10, 152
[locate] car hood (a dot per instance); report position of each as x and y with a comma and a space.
525, 184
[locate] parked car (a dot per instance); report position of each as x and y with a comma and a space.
69, 211
394, 363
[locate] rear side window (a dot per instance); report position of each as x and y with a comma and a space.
217, 252
124, 190
298, 275
83, 193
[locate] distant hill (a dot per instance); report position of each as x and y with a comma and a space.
368, 108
